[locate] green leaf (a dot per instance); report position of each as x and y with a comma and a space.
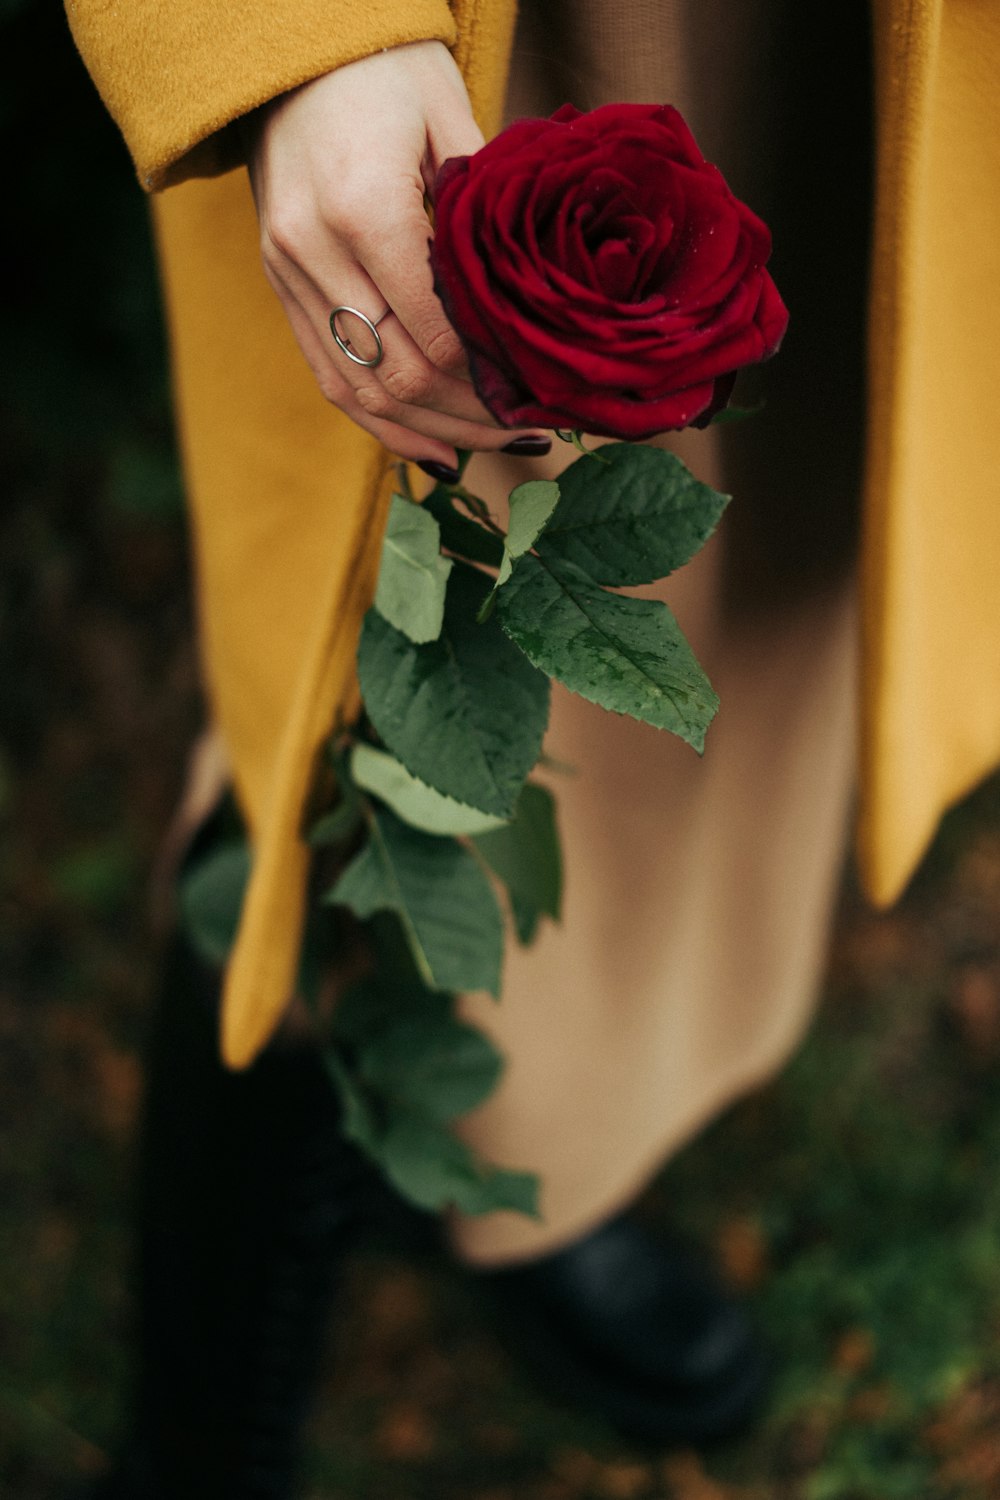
413, 575
626, 654
343, 819
412, 800
466, 713
531, 504
444, 901
359, 1118
526, 856
735, 414
404, 1067
338, 824
211, 900
459, 533
373, 1006
527, 919
437, 1065
435, 1170
408, 1045
500, 1188
632, 517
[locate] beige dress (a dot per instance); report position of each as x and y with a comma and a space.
699, 891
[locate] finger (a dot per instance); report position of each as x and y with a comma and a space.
471, 426
419, 437
407, 378
410, 378
336, 389
310, 260
396, 258
405, 372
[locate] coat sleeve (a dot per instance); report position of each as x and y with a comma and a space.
176, 73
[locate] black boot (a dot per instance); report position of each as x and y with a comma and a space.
248, 1198
636, 1331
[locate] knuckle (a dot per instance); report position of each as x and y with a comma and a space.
270, 254
444, 349
375, 400
349, 215
408, 383
285, 232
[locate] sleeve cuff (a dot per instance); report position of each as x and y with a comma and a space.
175, 75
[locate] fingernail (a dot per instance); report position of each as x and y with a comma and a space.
443, 473
529, 447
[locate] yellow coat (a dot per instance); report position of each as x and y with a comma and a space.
287, 495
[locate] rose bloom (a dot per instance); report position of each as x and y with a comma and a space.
601, 274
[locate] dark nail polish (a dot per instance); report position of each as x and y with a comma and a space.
443, 473
529, 447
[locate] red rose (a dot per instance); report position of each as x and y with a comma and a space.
601, 274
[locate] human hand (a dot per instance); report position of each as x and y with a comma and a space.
339, 169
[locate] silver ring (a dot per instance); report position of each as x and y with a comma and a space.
344, 345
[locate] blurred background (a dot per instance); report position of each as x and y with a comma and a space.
857, 1201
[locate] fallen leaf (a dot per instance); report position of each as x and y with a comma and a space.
975, 1004
873, 1404
621, 1481
686, 1476
742, 1251
854, 1351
